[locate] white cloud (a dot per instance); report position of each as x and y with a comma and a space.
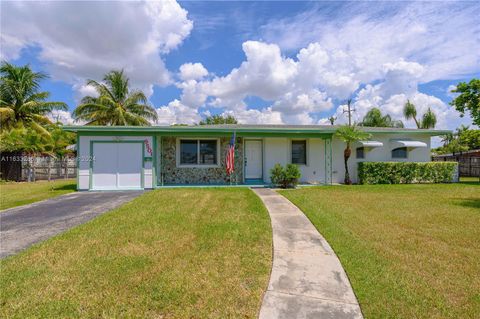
449, 92
80, 40
442, 36
263, 116
63, 117
177, 113
192, 71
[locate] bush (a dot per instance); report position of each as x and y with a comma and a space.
285, 176
406, 172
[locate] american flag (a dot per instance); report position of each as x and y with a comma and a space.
230, 159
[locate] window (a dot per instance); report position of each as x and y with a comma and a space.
208, 152
188, 151
198, 152
360, 152
299, 152
400, 152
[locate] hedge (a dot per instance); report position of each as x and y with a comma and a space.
406, 172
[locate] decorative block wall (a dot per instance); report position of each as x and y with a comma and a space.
172, 174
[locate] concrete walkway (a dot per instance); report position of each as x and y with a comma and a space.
307, 279
23, 226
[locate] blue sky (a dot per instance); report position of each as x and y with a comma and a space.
264, 62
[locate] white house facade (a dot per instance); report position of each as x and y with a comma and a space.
128, 158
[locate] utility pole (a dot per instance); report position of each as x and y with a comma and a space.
349, 110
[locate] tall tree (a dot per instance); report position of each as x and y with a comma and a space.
219, 119
22, 104
429, 119
468, 100
350, 134
116, 104
375, 118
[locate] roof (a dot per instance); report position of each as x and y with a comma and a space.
242, 130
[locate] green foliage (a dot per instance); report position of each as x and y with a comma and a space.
375, 118
22, 104
219, 119
26, 141
468, 100
287, 176
351, 134
471, 139
115, 104
429, 119
406, 172
464, 139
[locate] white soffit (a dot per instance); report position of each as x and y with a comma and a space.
371, 144
411, 144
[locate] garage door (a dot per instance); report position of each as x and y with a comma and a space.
117, 166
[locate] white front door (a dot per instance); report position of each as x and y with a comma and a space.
117, 166
253, 159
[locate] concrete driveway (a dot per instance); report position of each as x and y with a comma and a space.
23, 226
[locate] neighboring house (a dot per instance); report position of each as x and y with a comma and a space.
118, 157
468, 162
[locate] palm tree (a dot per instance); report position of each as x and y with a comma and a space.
375, 118
447, 139
115, 104
429, 119
22, 104
350, 134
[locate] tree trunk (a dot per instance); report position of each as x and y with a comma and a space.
416, 122
346, 156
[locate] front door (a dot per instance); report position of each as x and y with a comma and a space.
253, 159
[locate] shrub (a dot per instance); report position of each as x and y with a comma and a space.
406, 172
285, 176
277, 174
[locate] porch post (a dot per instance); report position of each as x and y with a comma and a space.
328, 160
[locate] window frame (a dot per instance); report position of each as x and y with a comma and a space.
306, 151
363, 152
399, 158
198, 139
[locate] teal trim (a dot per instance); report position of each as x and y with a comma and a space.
78, 161
154, 164
148, 159
242, 131
142, 177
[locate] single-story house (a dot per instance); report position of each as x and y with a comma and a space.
120, 157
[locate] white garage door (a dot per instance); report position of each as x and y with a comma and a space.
117, 166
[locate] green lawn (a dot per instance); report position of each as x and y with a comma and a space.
469, 179
15, 194
173, 253
410, 251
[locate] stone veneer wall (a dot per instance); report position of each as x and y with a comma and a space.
198, 175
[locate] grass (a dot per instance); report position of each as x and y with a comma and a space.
22, 193
410, 251
469, 179
172, 253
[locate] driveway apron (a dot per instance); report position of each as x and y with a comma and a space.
23, 226
307, 279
